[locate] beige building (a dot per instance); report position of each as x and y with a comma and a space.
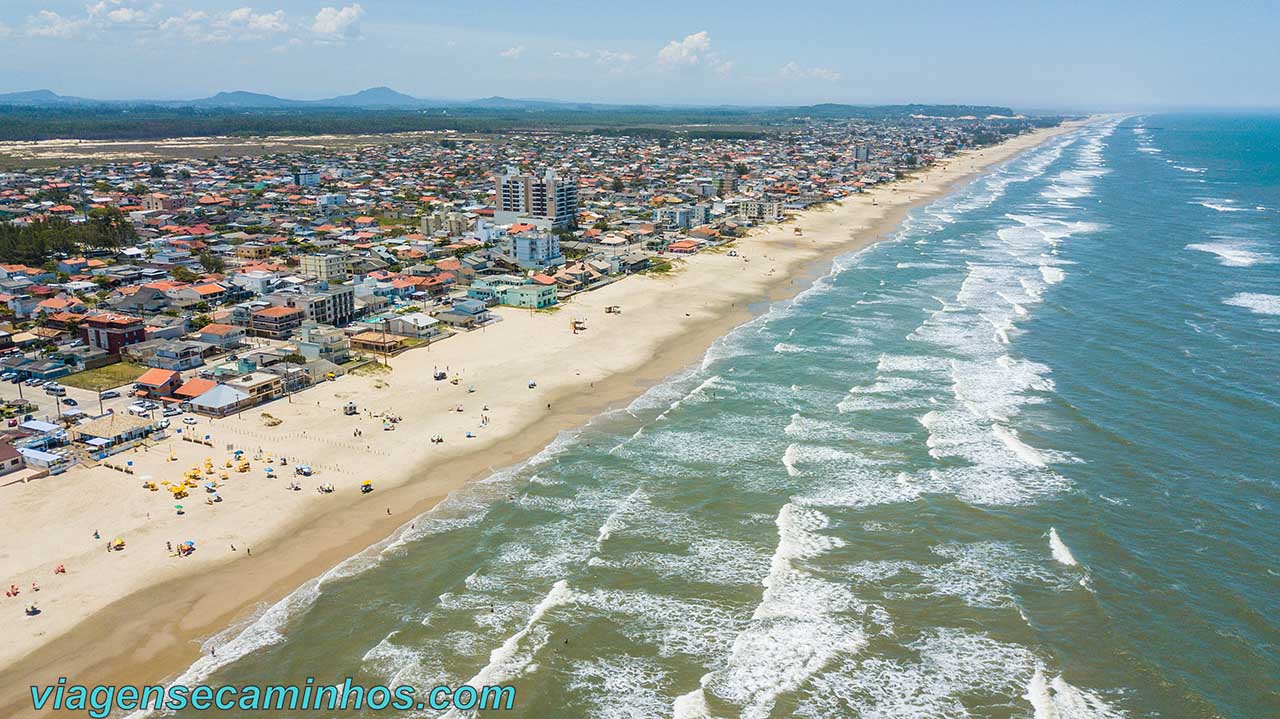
331, 268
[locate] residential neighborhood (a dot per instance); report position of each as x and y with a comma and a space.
211, 286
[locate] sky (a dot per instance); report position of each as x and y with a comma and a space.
1081, 55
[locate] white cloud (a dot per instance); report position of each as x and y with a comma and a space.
688, 51
793, 71
512, 53
258, 23
722, 67
195, 25
614, 60
117, 11
338, 23
48, 23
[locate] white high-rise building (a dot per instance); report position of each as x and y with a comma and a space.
547, 199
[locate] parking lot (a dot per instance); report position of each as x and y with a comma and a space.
51, 407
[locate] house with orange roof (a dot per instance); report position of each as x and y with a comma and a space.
157, 382
210, 293
220, 335
61, 303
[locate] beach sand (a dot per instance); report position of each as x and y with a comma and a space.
138, 616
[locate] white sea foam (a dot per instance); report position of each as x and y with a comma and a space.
1232, 253
511, 660
1059, 549
950, 664
795, 631
616, 519
1219, 205
1025, 452
785, 348
621, 686
1256, 302
1052, 275
1057, 699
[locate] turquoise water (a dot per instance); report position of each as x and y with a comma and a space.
1020, 461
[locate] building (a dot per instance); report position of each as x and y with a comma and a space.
417, 325
531, 296
259, 386
534, 249
760, 210
115, 433
383, 343
10, 458
177, 355
549, 200
467, 314
157, 382
329, 267
221, 401
222, 336
452, 224
306, 178
275, 323
317, 341
326, 305
111, 332
676, 217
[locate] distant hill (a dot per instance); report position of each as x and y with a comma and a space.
385, 98
43, 98
375, 97
241, 98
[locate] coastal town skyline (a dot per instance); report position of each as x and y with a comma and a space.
863, 55
695, 360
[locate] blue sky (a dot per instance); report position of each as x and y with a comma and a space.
1086, 54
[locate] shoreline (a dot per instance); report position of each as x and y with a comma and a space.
150, 636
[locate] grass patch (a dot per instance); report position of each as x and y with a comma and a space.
661, 268
103, 378
371, 369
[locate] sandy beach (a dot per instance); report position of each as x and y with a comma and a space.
139, 615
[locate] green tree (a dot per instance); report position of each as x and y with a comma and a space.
212, 263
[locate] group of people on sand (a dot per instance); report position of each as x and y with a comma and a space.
13, 589
31, 610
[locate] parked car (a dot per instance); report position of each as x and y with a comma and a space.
188, 420
55, 390
8, 375
172, 411
109, 394
69, 402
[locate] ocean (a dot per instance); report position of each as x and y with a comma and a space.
1019, 460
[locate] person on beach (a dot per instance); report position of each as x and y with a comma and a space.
96, 535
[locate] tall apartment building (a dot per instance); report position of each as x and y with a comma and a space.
760, 210
451, 223
543, 200
726, 183
534, 249
330, 305
327, 267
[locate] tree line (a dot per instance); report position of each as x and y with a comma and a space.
37, 242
